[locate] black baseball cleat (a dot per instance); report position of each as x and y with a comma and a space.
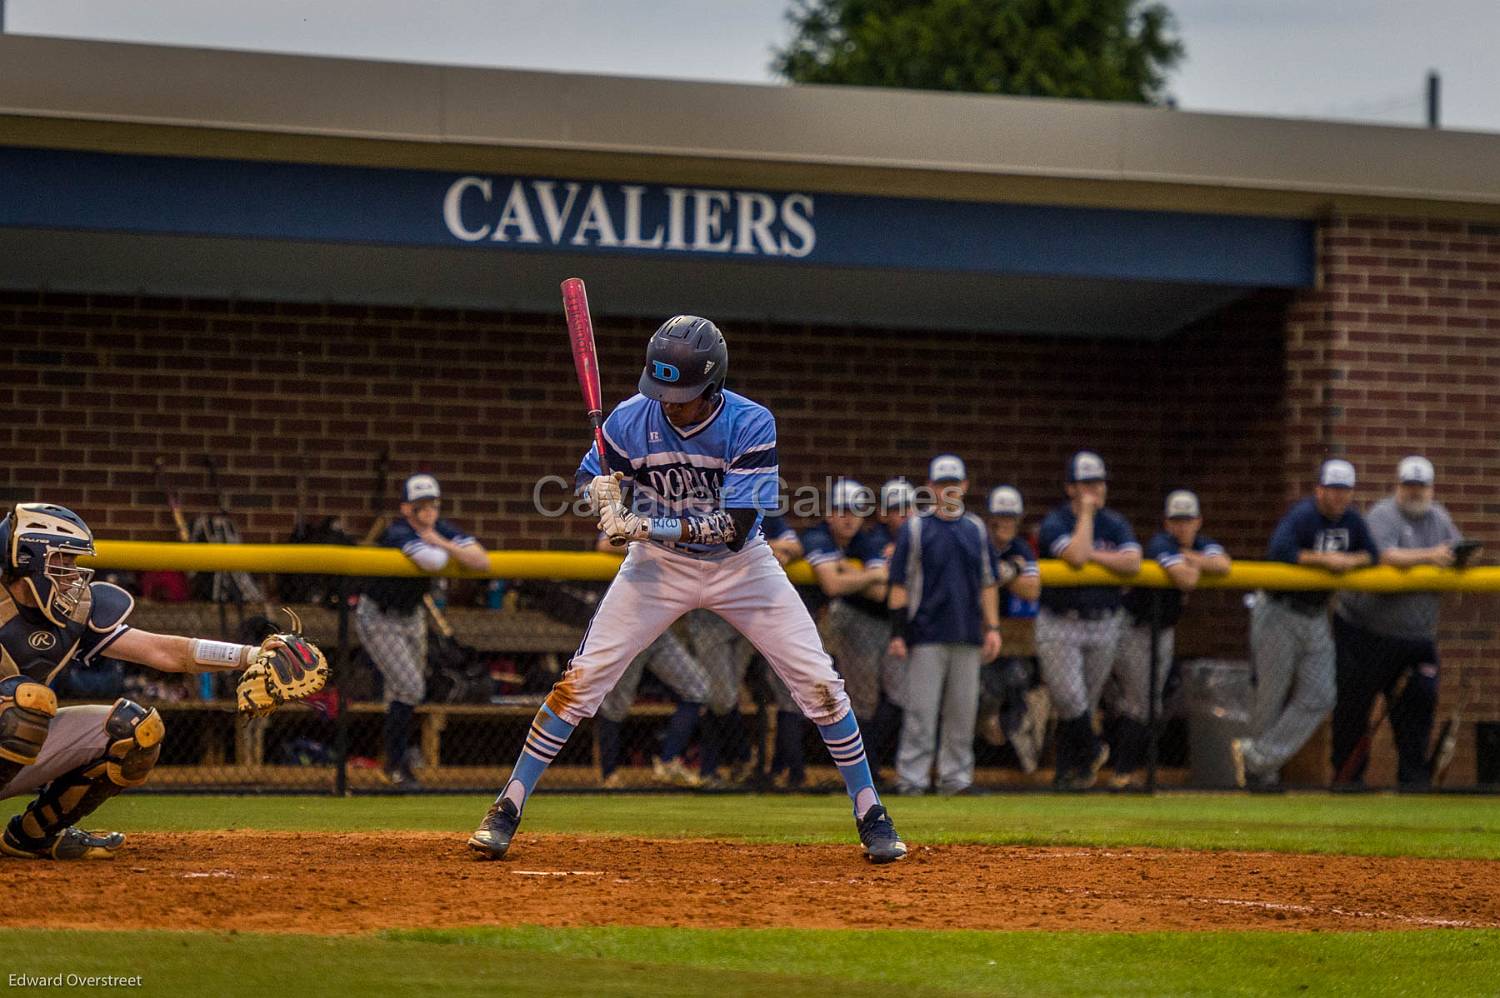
495, 831
878, 833
70, 843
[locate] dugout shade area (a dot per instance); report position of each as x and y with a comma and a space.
324, 274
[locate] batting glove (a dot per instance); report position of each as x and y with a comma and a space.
619, 524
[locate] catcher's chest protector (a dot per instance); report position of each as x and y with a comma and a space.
32, 645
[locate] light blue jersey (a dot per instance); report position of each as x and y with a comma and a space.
728, 461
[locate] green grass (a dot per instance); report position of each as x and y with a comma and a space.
1432, 826
785, 963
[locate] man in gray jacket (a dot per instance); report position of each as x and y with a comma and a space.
1382, 640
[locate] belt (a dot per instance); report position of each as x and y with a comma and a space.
1096, 613
1299, 606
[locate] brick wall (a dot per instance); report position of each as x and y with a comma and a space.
96, 388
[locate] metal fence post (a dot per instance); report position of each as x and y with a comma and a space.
1155, 670
341, 657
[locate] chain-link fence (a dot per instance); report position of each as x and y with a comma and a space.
440, 695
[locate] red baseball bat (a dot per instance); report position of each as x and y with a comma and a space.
586, 360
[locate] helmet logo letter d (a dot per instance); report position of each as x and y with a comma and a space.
664, 372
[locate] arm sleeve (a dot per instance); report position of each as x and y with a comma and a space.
869, 548
1384, 525
744, 526
899, 555
1450, 529
750, 477
1364, 540
1055, 535
775, 529
109, 607
1164, 550
452, 533
818, 546
424, 555
1024, 550
1284, 545
1118, 530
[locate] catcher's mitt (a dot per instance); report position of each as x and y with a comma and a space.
288, 667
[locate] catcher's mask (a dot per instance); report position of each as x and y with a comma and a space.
39, 546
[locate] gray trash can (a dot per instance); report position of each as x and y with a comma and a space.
1218, 695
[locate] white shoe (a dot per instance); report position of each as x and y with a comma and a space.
673, 772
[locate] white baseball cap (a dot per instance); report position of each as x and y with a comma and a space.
1005, 500
1183, 504
847, 494
1337, 473
1086, 466
420, 487
897, 493
947, 468
1414, 470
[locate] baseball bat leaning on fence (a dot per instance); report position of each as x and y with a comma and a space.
1361, 750
377, 498
1446, 745
174, 501
219, 528
586, 361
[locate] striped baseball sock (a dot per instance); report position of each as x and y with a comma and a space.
548, 734
848, 750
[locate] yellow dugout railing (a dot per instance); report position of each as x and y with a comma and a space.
365, 561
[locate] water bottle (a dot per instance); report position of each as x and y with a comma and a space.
206, 685
494, 594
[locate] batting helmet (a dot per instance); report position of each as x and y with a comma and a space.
34, 538
686, 358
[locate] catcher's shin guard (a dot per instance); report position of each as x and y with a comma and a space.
26, 712
135, 736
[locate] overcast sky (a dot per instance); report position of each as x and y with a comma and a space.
1354, 59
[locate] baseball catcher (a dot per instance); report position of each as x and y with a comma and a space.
76, 758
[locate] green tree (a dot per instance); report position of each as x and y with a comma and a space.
1087, 49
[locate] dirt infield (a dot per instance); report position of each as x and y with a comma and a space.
298, 882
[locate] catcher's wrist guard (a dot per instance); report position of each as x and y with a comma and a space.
223, 654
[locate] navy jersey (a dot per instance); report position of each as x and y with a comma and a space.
1164, 549
398, 594
33, 646
728, 461
1303, 528
1012, 605
1111, 533
775, 528
866, 546
943, 564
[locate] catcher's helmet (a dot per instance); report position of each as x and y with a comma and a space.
686, 358
33, 539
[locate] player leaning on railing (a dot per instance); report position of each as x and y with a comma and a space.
51, 615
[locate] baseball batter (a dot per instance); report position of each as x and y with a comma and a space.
701, 465
75, 758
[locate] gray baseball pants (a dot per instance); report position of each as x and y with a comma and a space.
76, 736
1292, 654
669, 660
1075, 657
1132, 669
397, 644
942, 700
